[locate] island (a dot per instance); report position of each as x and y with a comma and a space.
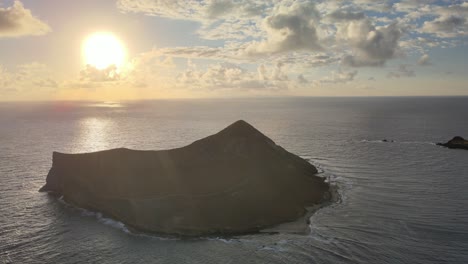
455, 143
235, 181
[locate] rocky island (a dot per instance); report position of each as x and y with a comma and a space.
455, 143
235, 181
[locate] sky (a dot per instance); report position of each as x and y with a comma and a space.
239, 48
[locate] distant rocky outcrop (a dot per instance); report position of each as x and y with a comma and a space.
455, 143
235, 181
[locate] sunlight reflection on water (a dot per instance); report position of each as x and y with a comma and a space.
94, 133
106, 104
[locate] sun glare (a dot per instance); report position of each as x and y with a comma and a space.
102, 50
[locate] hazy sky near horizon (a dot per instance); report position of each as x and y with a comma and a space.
218, 48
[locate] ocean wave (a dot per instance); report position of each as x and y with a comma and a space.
225, 240
396, 142
338, 182
104, 220
120, 225
111, 222
99, 216
372, 141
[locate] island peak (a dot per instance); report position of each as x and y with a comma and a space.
241, 128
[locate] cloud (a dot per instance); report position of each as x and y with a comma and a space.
425, 60
402, 71
340, 77
16, 21
92, 74
199, 52
6, 80
232, 29
27, 78
361, 32
46, 83
276, 74
374, 6
373, 46
289, 28
219, 8
447, 26
233, 77
184, 9
340, 16
242, 19
202, 10
91, 77
410, 5
301, 79
139, 72
229, 9
305, 60
274, 27
219, 19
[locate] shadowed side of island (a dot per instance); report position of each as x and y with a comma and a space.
235, 181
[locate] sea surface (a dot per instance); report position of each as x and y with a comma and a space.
400, 202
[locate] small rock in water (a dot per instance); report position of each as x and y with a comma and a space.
455, 143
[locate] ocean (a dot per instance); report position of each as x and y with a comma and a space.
402, 201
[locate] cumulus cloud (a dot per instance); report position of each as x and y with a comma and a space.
289, 28
17, 21
373, 46
425, 60
446, 26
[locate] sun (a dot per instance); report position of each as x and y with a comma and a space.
102, 50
